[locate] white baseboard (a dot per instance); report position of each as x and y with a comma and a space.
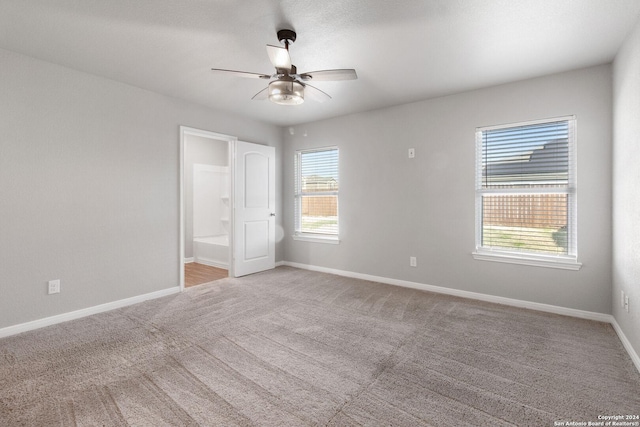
626, 343
212, 263
590, 315
607, 318
48, 321
188, 260
601, 317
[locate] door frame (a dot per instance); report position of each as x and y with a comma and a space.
231, 141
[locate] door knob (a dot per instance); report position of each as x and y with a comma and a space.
273, 214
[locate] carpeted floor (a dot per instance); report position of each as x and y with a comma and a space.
291, 347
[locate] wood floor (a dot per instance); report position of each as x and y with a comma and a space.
197, 274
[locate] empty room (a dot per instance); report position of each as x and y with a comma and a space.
319, 213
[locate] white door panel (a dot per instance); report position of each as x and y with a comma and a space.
257, 240
256, 186
254, 200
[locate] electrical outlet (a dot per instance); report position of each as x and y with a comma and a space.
54, 286
412, 153
413, 262
622, 298
626, 303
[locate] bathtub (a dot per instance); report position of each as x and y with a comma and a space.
212, 250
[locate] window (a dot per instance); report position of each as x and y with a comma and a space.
526, 193
316, 195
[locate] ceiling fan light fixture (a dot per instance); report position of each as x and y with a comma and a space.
287, 87
286, 92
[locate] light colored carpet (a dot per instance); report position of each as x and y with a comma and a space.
291, 347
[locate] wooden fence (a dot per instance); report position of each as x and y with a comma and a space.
320, 206
528, 211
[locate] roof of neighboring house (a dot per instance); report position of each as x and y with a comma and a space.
548, 162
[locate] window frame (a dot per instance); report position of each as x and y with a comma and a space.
567, 261
298, 196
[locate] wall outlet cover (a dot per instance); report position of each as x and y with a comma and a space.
54, 286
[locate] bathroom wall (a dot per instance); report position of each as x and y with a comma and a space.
210, 200
203, 151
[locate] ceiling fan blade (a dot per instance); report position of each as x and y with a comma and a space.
262, 95
243, 74
279, 57
330, 75
315, 93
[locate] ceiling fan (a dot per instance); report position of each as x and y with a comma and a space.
287, 86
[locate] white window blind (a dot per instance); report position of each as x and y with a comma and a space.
525, 188
316, 192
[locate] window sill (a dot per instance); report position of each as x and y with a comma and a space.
316, 239
563, 263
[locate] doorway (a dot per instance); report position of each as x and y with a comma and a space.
205, 206
241, 203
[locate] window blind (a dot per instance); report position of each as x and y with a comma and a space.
316, 192
525, 187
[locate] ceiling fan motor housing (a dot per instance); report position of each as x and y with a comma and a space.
286, 36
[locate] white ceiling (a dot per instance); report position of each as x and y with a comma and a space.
403, 51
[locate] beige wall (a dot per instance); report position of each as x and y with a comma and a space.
89, 186
393, 207
626, 186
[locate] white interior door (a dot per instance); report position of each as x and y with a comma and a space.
254, 201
